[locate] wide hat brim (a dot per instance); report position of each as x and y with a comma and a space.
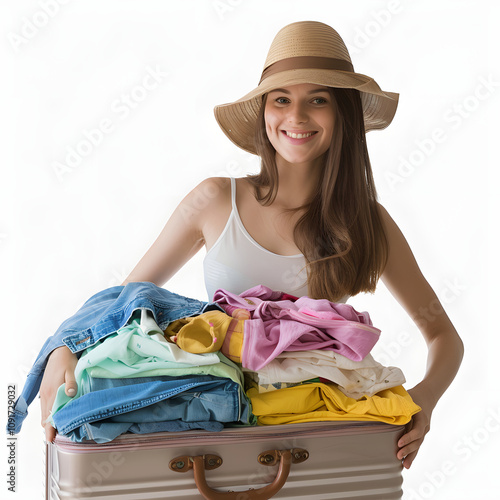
238, 119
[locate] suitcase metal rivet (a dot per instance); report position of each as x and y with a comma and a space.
179, 464
217, 461
300, 456
266, 459
272, 457
212, 461
185, 463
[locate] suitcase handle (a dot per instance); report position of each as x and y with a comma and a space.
200, 462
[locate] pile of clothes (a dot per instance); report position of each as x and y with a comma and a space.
136, 381
304, 359
151, 360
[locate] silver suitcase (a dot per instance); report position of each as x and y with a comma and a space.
316, 460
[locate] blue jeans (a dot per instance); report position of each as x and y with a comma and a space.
110, 407
107, 430
104, 313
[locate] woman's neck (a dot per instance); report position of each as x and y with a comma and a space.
297, 182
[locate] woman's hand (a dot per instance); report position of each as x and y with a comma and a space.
420, 424
60, 369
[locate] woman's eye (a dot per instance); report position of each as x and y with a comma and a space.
316, 100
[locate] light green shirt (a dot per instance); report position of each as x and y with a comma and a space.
139, 349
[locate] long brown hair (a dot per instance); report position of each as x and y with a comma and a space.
340, 234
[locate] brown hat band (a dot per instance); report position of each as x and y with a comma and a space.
301, 62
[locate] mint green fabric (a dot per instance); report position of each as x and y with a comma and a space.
131, 350
225, 368
139, 350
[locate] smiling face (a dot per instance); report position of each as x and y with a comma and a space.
299, 122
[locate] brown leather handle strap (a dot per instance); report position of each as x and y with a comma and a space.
263, 493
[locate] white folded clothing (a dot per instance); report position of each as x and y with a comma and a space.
354, 378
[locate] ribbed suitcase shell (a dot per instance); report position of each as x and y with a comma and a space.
347, 460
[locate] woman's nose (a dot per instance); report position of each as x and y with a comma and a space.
297, 113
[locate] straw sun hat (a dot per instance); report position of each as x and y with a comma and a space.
305, 52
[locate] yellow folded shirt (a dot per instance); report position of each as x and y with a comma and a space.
319, 402
208, 332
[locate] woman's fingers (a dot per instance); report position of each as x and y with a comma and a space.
408, 460
60, 370
46, 405
50, 433
410, 442
69, 378
409, 448
47, 395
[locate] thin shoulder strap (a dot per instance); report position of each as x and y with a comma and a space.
233, 193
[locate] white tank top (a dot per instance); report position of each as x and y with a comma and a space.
236, 262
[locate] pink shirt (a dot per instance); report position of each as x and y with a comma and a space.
278, 323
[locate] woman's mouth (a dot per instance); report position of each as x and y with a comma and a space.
299, 137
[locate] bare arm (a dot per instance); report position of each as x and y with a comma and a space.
183, 235
405, 281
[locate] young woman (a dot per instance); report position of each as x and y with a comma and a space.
309, 223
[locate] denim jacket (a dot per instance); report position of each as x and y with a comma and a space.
109, 407
104, 313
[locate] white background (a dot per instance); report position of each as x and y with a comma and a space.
65, 236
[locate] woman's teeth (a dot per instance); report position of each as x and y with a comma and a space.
299, 136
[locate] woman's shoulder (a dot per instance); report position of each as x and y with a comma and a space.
209, 206
215, 192
390, 227
212, 192
211, 182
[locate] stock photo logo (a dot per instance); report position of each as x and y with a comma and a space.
32, 25
454, 117
121, 107
374, 27
467, 447
224, 7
